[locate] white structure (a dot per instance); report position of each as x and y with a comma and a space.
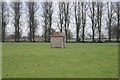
58, 40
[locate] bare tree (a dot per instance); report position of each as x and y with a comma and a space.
50, 13
45, 25
99, 17
61, 16
77, 19
4, 20
84, 9
16, 6
64, 17
67, 17
110, 8
47, 17
32, 9
93, 18
117, 11
118, 20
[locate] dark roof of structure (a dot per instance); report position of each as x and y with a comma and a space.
57, 34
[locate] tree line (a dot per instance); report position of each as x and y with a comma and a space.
81, 12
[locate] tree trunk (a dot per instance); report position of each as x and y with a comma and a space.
3, 25
83, 35
77, 35
18, 30
93, 22
118, 18
110, 30
93, 36
99, 28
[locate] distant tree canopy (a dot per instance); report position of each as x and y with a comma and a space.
69, 35
48, 34
114, 30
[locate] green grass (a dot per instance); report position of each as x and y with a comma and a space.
78, 60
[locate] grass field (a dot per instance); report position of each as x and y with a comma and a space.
78, 60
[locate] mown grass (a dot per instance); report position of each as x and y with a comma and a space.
78, 60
